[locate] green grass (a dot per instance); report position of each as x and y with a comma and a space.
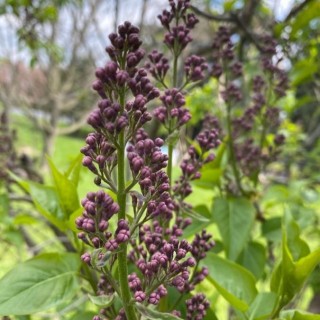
66, 149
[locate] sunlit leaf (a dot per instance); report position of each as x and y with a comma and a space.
235, 283
235, 218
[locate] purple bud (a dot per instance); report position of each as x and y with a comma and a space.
86, 258
139, 296
123, 236
111, 245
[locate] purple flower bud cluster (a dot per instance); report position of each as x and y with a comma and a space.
279, 77
178, 23
99, 208
259, 115
146, 162
99, 156
121, 315
250, 157
110, 118
224, 57
194, 68
232, 93
121, 75
196, 307
177, 36
207, 139
172, 113
177, 9
246, 122
104, 286
158, 66
201, 244
159, 254
223, 54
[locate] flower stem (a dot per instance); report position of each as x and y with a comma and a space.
122, 255
169, 168
232, 153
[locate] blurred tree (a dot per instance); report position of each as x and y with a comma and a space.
57, 85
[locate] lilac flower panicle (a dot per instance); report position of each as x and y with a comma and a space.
259, 115
196, 307
154, 233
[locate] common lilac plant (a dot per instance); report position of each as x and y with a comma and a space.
249, 150
147, 234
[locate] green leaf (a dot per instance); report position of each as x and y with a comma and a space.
24, 219
49, 13
66, 190
253, 258
102, 301
280, 278
304, 17
218, 160
200, 214
71, 222
195, 227
39, 284
235, 218
210, 315
210, 178
305, 266
289, 276
46, 201
296, 245
151, 314
82, 315
262, 306
234, 283
4, 207
271, 229
303, 71
298, 315
228, 4
73, 172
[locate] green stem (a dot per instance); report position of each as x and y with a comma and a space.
170, 160
111, 281
90, 277
232, 154
174, 83
175, 69
122, 255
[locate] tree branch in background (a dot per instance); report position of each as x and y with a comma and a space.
241, 19
249, 35
75, 126
116, 15
209, 16
142, 14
